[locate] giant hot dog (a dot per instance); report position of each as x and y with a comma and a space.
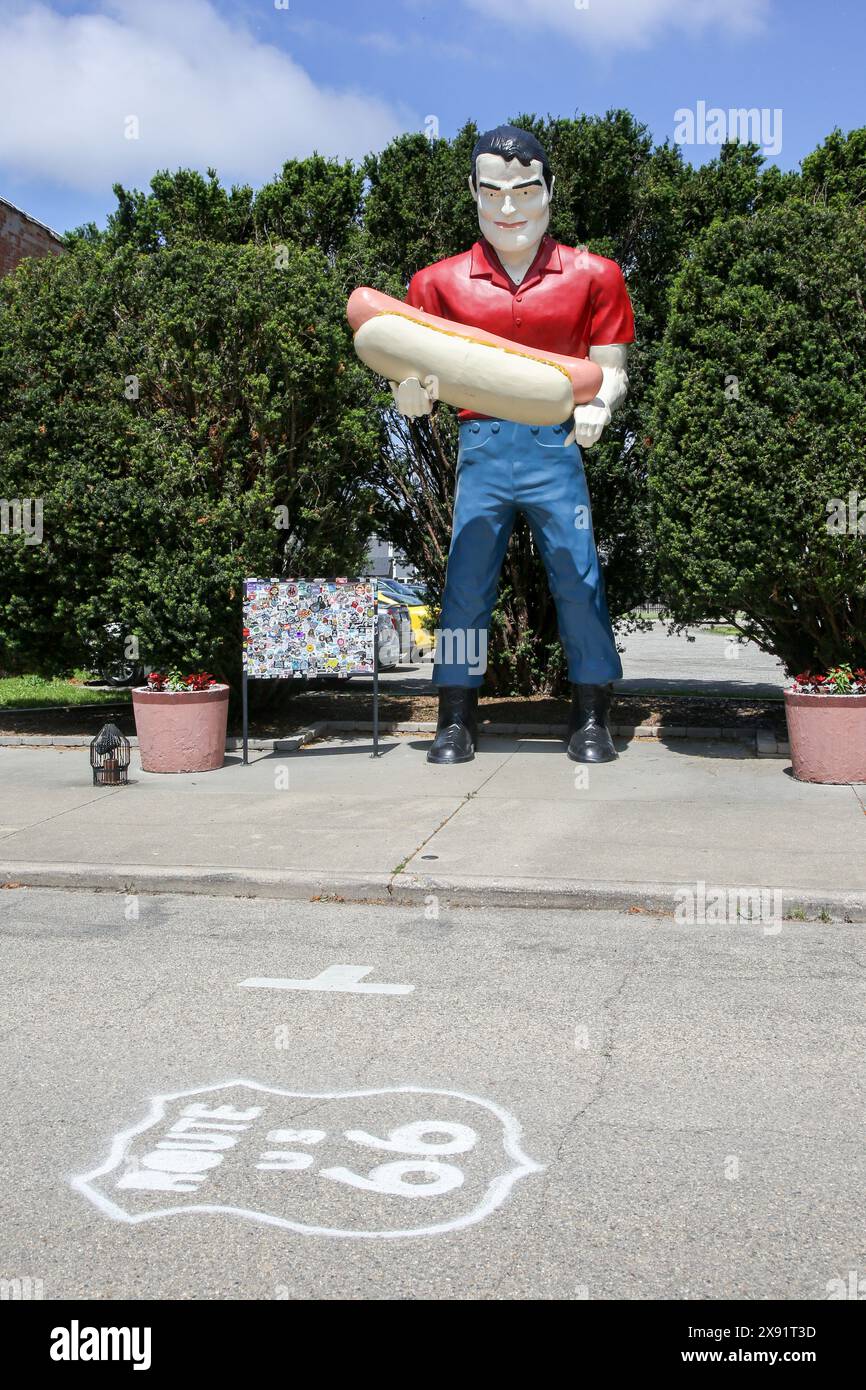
473, 369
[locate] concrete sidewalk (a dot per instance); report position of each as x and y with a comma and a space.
521, 824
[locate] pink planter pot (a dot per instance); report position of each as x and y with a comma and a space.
828, 736
185, 732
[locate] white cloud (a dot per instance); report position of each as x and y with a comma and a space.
618, 24
392, 43
206, 91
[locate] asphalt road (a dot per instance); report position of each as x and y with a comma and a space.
537, 1104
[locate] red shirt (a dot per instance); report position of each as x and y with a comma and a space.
569, 300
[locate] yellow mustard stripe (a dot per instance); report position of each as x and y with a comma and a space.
464, 337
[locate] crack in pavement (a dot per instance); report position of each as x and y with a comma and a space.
468, 796
69, 810
606, 1054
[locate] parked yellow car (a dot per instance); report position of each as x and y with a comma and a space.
394, 591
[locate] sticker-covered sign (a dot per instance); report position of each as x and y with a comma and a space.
397, 1162
308, 627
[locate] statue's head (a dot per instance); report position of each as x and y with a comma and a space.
512, 185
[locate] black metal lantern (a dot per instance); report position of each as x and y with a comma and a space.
109, 757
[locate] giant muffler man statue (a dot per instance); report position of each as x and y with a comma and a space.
520, 284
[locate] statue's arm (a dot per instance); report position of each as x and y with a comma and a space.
414, 397
592, 419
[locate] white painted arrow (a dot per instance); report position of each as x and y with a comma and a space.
338, 979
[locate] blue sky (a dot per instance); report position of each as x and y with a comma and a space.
98, 91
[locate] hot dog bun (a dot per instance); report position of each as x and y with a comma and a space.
474, 370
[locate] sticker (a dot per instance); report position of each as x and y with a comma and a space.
386, 1164
287, 621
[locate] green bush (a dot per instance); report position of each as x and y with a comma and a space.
189, 416
759, 433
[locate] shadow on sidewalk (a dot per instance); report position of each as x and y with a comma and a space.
348, 746
548, 745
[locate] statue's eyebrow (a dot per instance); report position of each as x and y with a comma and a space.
497, 187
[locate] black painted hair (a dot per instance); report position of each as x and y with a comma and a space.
512, 143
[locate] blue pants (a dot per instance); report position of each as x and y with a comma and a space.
504, 468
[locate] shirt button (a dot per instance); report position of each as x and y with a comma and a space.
520, 299
557, 429
475, 429
518, 320
495, 428
534, 429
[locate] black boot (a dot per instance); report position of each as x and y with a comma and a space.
457, 728
589, 739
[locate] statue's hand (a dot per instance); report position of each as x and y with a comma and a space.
590, 422
414, 397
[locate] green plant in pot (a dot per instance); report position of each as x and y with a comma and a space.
827, 725
181, 722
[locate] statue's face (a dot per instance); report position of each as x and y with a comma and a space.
513, 202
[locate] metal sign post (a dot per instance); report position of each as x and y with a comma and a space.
375, 752
246, 713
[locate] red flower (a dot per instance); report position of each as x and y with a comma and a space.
200, 680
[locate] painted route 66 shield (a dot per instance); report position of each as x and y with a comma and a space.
397, 1162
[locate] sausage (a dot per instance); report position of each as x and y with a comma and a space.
472, 369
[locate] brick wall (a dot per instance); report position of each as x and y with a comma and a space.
21, 236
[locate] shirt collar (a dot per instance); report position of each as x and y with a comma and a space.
486, 264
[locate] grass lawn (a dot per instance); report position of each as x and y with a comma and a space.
34, 692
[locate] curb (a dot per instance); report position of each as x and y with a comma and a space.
211, 882
258, 745
762, 741
406, 889
68, 709
582, 895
